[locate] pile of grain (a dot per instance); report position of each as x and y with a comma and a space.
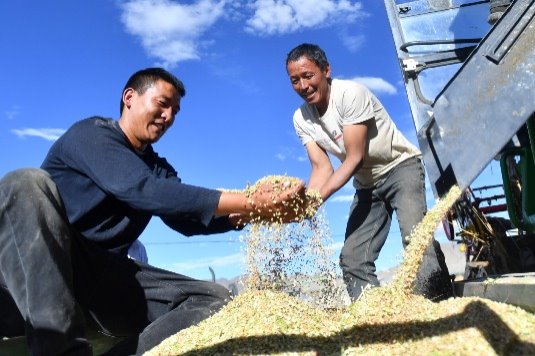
384, 321
266, 322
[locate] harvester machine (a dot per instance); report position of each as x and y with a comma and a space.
471, 91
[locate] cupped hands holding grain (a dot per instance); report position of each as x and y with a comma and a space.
277, 198
282, 199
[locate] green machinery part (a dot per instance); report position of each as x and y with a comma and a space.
520, 190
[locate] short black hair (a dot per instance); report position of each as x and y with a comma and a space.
311, 51
143, 79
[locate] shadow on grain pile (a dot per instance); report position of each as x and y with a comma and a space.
388, 320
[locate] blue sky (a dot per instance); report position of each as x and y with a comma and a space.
65, 60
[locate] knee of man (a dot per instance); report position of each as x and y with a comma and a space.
344, 256
351, 251
218, 297
222, 293
26, 177
351, 261
29, 182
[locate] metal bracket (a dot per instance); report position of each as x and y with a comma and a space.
412, 66
503, 43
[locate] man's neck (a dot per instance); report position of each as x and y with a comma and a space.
135, 143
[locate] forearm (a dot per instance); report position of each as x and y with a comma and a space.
189, 227
355, 141
340, 177
267, 197
233, 202
319, 177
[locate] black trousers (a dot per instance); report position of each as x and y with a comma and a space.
53, 282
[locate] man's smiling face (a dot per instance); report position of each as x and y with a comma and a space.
151, 113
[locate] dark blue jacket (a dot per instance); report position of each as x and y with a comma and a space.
110, 191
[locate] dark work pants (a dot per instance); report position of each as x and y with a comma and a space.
53, 282
402, 191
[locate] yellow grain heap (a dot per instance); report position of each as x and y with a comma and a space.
384, 321
267, 322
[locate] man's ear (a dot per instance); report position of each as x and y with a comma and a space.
328, 71
127, 97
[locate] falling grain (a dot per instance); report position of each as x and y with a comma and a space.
294, 258
420, 238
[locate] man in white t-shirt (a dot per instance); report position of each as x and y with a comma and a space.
345, 119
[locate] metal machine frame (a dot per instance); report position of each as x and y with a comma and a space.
471, 90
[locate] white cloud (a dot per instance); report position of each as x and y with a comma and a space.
235, 75
377, 85
342, 198
204, 263
337, 245
291, 153
273, 17
171, 31
47, 134
13, 112
353, 43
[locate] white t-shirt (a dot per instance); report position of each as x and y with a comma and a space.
351, 103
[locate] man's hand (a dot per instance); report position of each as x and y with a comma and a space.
239, 220
304, 208
277, 199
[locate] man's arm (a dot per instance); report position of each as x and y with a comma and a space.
355, 140
322, 168
235, 209
189, 227
265, 201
